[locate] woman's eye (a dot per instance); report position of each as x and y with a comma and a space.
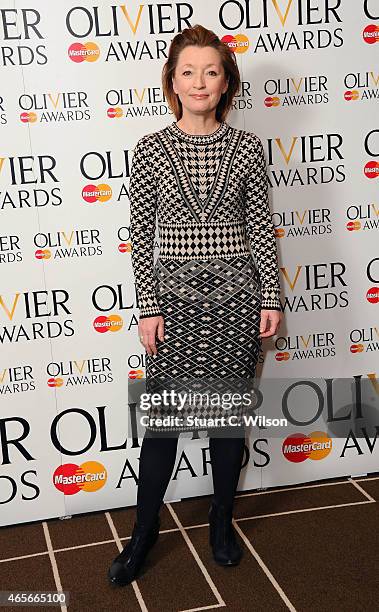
213, 72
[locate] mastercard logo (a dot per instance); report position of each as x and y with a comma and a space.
125, 247
272, 101
112, 323
70, 478
372, 295
87, 52
356, 348
97, 193
237, 44
351, 95
115, 113
42, 254
371, 169
371, 34
282, 356
133, 374
279, 232
28, 117
299, 447
55, 382
353, 226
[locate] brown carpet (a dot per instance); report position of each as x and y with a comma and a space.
309, 547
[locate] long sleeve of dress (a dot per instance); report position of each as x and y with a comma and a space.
260, 229
143, 205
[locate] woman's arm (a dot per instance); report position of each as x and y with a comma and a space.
143, 205
260, 229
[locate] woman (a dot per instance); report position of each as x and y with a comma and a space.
205, 305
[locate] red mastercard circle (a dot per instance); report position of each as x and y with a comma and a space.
99, 324
371, 34
372, 295
63, 474
76, 52
293, 448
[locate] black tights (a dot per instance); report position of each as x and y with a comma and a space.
157, 460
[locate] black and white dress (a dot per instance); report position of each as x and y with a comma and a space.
217, 265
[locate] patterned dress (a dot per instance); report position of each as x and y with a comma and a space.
217, 264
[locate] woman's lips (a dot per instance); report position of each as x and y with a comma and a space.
200, 96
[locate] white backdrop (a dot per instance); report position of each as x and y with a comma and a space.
80, 85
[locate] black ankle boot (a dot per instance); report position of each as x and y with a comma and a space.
222, 536
127, 564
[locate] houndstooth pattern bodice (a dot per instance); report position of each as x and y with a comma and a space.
209, 196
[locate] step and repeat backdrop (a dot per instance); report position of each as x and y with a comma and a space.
80, 84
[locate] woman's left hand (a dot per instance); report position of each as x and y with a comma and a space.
270, 321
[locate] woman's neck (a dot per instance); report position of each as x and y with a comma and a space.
198, 125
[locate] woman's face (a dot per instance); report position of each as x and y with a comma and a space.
199, 79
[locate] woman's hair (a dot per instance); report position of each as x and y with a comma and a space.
200, 37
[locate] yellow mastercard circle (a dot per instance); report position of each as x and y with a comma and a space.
105, 192
116, 322
94, 52
242, 43
119, 112
46, 254
324, 444
32, 117
95, 476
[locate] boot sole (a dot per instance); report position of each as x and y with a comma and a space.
230, 562
227, 564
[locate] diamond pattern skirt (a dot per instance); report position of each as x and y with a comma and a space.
211, 310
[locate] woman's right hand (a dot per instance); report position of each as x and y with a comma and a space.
148, 329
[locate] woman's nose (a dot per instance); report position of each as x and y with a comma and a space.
199, 80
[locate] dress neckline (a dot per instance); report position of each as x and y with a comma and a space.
222, 129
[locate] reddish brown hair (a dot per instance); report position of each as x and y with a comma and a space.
200, 37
